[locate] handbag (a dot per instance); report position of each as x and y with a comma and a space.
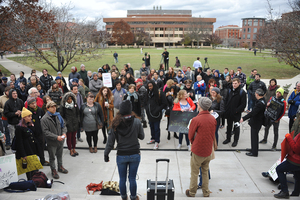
21, 186
99, 124
33, 163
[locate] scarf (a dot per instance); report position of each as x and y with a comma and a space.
272, 87
69, 105
130, 95
227, 74
59, 118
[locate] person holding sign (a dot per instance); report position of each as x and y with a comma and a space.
292, 163
183, 103
275, 110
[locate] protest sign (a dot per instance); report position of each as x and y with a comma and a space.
180, 120
106, 77
8, 170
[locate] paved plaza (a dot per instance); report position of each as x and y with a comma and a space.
233, 174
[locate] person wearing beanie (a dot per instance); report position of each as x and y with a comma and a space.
26, 143
3, 85
95, 84
256, 117
73, 75
55, 93
54, 129
276, 108
126, 130
204, 125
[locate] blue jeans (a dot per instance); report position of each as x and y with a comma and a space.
288, 167
186, 138
155, 131
123, 162
217, 130
250, 101
6, 132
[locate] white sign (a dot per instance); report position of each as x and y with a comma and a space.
106, 77
272, 170
8, 170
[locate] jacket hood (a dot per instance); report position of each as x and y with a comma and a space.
66, 96
124, 128
10, 93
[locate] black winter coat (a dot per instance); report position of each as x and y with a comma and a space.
46, 82
36, 119
26, 143
142, 91
11, 107
190, 90
254, 86
218, 108
154, 107
70, 116
235, 103
256, 116
136, 104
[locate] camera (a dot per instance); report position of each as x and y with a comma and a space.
205, 59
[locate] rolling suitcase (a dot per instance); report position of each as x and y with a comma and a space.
160, 189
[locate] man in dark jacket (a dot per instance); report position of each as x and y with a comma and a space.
157, 81
3, 85
37, 114
21, 79
235, 104
22, 92
83, 74
207, 76
12, 111
73, 75
146, 58
156, 103
254, 86
46, 80
142, 91
144, 69
256, 117
165, 55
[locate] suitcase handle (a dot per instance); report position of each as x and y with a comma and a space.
162, 160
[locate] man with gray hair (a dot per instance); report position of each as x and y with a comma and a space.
202, 136
33, 92
256, 117
73, 75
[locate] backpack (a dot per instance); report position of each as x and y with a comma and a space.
40, 180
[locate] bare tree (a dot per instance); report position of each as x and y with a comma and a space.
70, 40
213, 39
197, 30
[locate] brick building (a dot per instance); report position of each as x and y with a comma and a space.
230, 34
166, 27
250, 28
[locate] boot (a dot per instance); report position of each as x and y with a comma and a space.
175, 135
144, 124
169, 135
91, 150
95, 149
54, 174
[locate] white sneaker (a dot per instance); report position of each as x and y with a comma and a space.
179, 147
189, 147
156, 146
151, 142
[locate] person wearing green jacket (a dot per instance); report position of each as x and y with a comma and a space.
249, 80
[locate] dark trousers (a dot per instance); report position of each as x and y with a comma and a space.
286, 166
236, 130
92, 135
254, 140
275, 127
71, 140
155, 131
291, 122
166, 61
186, 138
104, 130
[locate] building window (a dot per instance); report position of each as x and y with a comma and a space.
254, 30
249, 30
109, 29
156, 35
175, 35
131, 29
245, 22
254, 36
244, 30
176, 29
260, 22
159, 29
255, 22
139, 29
248, 36
243, 36
249, 22
161, 35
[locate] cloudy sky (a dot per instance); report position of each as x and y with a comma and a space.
227, 12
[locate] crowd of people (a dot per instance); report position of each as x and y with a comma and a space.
49, 110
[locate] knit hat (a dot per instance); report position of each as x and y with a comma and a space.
53, 82
239, 67
125, 107
94, 73
281, 90
4, 78
217, 90
75, 80
50, 103
30, 100
138, 80
25, 112
217, 71
57, 78
59, 73
204, 103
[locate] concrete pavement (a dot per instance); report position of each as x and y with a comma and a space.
233, 174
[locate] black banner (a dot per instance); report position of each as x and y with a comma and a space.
274, 109
180, 120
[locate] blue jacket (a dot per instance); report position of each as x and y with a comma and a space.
201, 89
293, 108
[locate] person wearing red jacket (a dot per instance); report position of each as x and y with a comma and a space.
202, 136
291, 164
183, 103
276, 108
33, 92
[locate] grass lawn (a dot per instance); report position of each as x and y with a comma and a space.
5, 71
266, 65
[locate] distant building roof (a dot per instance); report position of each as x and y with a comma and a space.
159, 12
254, 18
